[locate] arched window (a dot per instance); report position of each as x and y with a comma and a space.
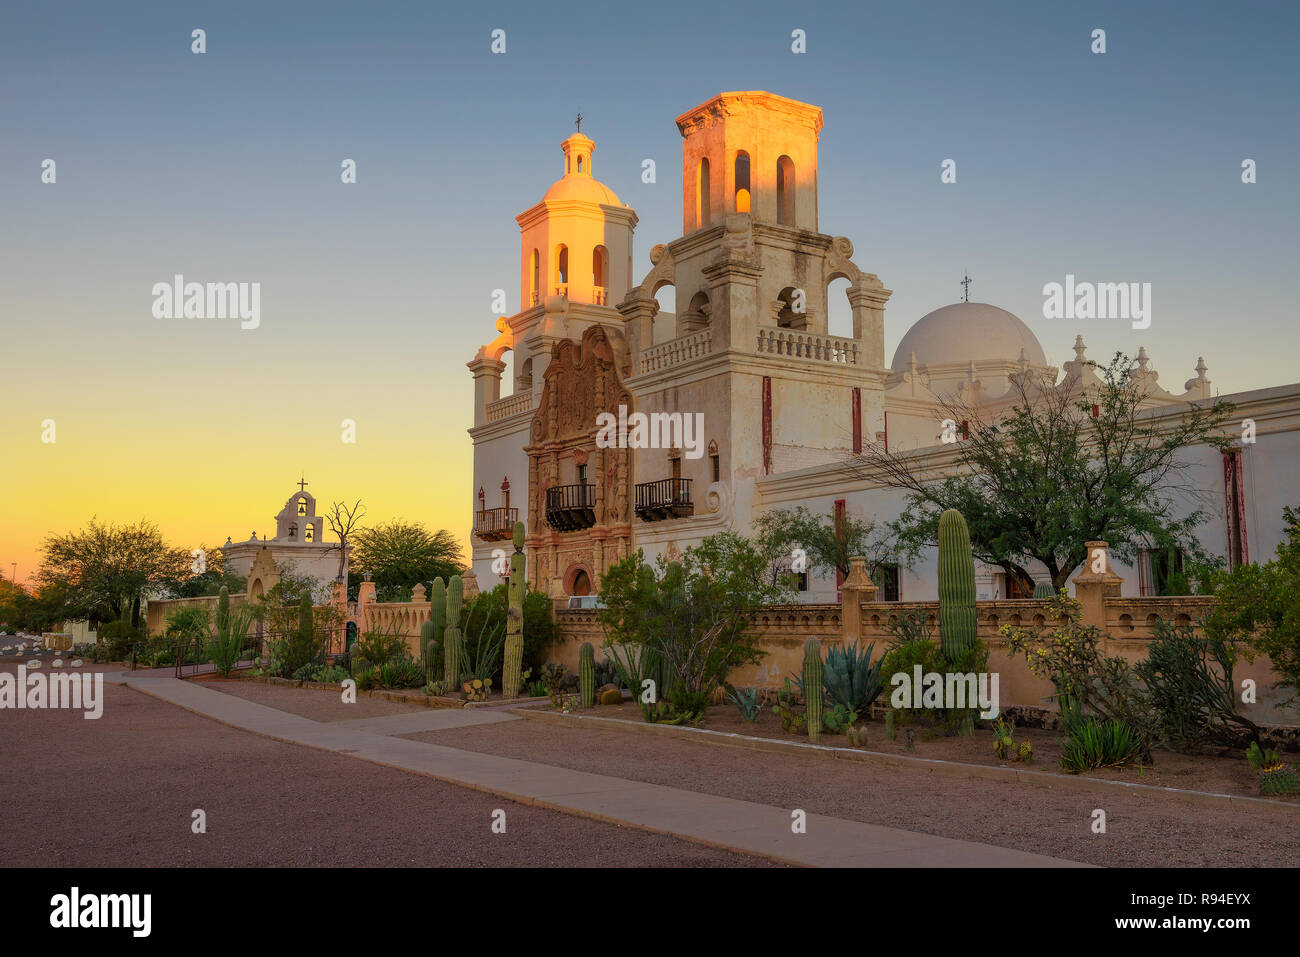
742, 182
310, 534
536, 283
293, 530
794, 308
785, 191
579, 164
302, 506
702, 194
562, 269
601, 273
581, 583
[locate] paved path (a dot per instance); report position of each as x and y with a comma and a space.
705, 818
430, 719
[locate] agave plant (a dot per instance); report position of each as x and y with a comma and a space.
850, 677
746, 699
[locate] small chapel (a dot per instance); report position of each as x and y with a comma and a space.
785, 402
298, 544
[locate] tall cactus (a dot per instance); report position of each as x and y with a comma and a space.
1044, 590
812, 686
451, 637
438, 624
514, 654
587, 674
956, 586
305, 620
223, 609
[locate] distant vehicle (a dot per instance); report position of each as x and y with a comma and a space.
585, 601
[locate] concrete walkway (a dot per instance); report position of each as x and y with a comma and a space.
705, 818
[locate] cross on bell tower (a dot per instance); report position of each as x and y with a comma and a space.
302, 483
965, 284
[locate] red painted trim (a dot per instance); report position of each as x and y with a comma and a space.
857, 421
767, 425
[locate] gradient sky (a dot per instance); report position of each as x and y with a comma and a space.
225, 167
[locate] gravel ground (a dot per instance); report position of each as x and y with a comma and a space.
1142, 829
119, 792
314, 703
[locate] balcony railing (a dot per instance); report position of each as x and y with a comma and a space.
511, 405
666, 498
494, 524
601, 295
677, 350
570, 507
807, 345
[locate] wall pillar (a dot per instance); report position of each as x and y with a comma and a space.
1095, 584
867, 299
487, 384
855, 589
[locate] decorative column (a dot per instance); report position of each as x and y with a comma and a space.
867, 299
487, 383
639, 326
854, 590
1095, 584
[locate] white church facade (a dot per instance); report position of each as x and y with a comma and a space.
783, 405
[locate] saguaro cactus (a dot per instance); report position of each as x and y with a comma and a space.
438, 624
812, 686
451, 637
587, 674
223, 609
956, 586
514, 654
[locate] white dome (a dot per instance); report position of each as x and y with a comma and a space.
967, 331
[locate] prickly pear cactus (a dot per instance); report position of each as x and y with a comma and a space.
514, 652
587, 674
812, 686
451, 637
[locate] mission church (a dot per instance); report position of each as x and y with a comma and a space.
785, 404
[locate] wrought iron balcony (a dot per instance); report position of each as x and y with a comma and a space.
569, 507
666, 498
494, 524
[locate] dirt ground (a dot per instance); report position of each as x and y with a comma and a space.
120, 791
314, 703
1142, 828
1212, 771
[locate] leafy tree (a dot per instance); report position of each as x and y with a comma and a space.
1260, 604
1050, 476
540, 629
209, 581
829, 540
104, 571
693, 615
402, 554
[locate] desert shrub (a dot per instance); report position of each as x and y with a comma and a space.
849, 677
1189, 681
1099, 744
229, 640
689, 620
323, 674
746, 699
401, 672
483, 637
540, 628
117, 638
688, 703
1098, 685
298, 635
380, 645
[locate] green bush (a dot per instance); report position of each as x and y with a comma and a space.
379, 645
1099, 744
400, 673
540, 628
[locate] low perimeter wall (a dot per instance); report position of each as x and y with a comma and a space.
1129, 625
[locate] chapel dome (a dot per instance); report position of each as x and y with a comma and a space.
964, 332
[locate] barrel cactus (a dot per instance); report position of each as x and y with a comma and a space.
451, 637
956, 586
1044, 590
812, 686
514, 652
587, 674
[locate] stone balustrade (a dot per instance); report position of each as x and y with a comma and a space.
668, 354
797, 344
511, 405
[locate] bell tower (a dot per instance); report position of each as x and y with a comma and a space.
750, 152
577, 242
